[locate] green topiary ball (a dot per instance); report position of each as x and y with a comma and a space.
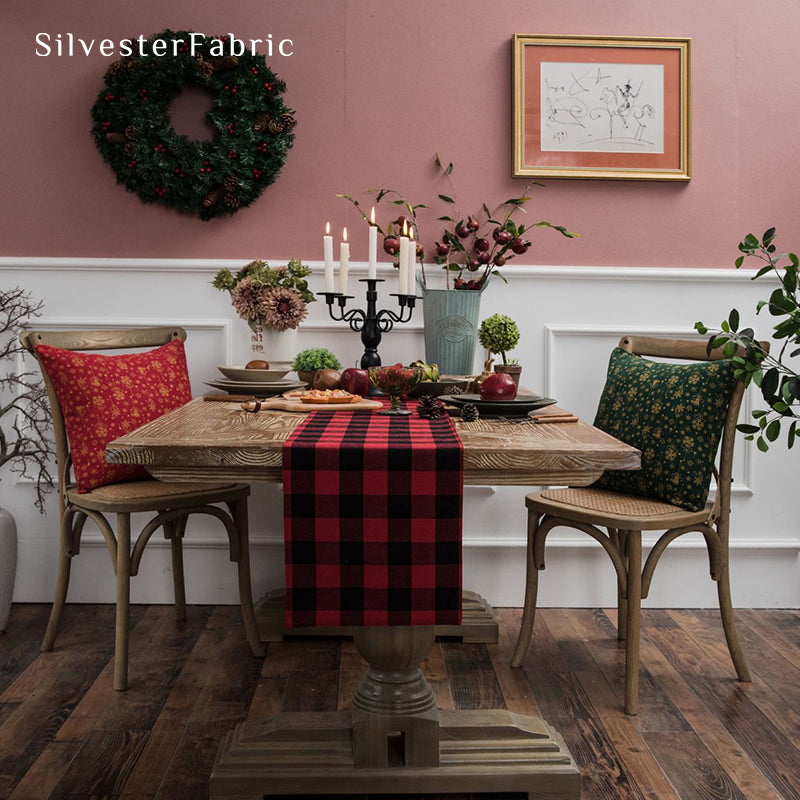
499, 334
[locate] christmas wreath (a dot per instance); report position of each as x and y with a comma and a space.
134, 134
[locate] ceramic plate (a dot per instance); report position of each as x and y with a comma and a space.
258, 389
519, 406
276, 371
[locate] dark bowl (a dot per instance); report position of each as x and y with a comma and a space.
441, 387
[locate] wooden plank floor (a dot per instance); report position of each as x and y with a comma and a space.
65, 734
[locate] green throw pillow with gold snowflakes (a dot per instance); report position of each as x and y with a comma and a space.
674, 414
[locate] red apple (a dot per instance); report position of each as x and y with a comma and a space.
499, 386
355, 381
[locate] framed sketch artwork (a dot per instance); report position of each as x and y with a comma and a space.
597, 107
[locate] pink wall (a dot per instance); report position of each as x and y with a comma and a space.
378, 88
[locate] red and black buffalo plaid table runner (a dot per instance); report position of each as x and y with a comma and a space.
372, 521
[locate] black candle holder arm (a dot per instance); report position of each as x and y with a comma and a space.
370, 323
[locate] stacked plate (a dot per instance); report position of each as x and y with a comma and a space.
256, 382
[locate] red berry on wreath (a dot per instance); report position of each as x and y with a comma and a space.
268, 86
254, 70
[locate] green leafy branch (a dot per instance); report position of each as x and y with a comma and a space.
776, 378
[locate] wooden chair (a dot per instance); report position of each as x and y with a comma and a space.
625, 517
172, 503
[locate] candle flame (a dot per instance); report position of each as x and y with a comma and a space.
372, 216
327, 228
411, 234
405, 228
344, 234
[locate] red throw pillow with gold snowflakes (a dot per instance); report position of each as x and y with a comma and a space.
104, 397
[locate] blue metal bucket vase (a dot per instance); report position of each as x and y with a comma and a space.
451, 329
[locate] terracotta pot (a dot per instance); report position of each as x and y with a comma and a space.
513, 370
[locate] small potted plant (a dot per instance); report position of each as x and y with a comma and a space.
499, 334
307, 362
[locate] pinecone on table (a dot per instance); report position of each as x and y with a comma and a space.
429, 407
469, 412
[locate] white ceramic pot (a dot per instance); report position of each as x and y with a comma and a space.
8, 564
273, 345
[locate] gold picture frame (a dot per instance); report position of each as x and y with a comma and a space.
613, 108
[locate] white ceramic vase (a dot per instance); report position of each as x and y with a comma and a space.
272, 345
8, 564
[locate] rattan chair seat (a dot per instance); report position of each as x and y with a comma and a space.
139, 490
604, 507
152, 494
611, 502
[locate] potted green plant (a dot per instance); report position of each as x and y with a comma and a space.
273, 301
775, 374
499, 334
308, 361
24, 423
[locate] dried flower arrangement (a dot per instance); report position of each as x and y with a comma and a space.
272, 297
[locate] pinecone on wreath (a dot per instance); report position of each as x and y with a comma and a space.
214, 196
429, 407
262, 120
206, 68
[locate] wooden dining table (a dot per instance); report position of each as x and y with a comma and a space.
395, 740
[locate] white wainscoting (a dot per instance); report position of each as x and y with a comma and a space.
570, 318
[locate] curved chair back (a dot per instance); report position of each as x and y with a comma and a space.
109, 339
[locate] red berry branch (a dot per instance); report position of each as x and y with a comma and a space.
472, 247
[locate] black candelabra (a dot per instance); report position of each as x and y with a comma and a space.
372, 324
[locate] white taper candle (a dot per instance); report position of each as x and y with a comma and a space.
327, 250
344, 262
372, 265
